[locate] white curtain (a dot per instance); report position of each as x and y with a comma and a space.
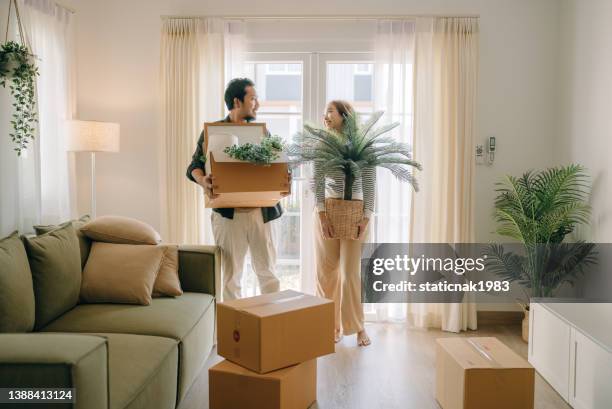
39, 187
427, 76
446, 84
194, 64
393, 68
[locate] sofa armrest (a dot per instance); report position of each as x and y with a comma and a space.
200, 268
50, 360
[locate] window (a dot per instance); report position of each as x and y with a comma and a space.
280, 90
351, 82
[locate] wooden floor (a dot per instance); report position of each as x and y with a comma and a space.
396, 371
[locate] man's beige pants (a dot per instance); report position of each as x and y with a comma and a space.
338, 264
246, 231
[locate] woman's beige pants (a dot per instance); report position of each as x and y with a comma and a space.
338, 264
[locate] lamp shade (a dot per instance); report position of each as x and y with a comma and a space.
92, 136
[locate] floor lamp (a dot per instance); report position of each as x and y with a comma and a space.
92, 137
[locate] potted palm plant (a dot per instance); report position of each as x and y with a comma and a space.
357, 147
539, 209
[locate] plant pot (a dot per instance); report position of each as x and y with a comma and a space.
344, 216
12, 62
525, 326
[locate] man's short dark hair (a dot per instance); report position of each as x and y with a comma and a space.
236, 89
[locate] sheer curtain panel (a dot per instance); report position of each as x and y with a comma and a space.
39, 187
194, 64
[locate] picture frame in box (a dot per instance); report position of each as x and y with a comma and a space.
243, 184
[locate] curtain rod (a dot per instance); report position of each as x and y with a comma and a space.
331, 18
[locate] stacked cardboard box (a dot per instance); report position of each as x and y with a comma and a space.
482, 373
271, 343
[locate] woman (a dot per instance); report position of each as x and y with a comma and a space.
338, 261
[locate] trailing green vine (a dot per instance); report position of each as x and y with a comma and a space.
18, 69
259, 154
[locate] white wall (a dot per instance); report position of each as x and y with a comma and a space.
584, 133
118, 56
585, 115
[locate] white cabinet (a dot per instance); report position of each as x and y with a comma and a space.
590, 374
570, 345
549, 340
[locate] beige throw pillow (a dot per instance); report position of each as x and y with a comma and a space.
120, 230
121, 273
167, 282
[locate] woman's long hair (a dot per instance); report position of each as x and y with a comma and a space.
344, 108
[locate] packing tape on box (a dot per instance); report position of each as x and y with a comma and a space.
236, 333
482, 351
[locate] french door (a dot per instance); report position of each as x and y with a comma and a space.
294, 88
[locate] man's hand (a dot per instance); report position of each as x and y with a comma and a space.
207, 182
289, 179
361, 228
326, 227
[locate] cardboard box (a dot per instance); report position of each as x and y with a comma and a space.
482, 373
273, 331
232, 386
242, 184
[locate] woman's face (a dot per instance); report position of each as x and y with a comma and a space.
333, 119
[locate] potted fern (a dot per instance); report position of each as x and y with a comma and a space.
357, 147
539, 209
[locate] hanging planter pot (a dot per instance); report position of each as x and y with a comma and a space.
11, 61
18, 69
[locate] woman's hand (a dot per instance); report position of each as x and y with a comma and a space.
326, 228
361, 228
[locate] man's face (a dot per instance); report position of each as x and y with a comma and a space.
248, 108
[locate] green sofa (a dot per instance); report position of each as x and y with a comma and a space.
120, 356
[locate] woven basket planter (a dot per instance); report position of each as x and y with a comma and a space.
344, 216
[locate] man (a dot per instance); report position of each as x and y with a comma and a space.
236, 230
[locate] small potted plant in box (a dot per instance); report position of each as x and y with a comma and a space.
264, 153
358, 147
539, 210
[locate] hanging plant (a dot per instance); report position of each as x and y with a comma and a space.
18, 69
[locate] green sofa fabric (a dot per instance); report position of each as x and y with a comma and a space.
143, 371
16, 293
55, 262
188, 319
199, 268
84, 241
57, 361
123, 356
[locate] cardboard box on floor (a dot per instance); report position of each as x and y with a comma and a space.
232, 386
482, 373
242, 184
273, 331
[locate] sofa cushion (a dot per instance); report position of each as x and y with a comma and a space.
120, 230
165, 317
84, 241
167, 281
189, 319
55, 261
121, 273
143, 371
16, 292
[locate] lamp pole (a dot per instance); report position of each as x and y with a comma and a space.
93, 185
